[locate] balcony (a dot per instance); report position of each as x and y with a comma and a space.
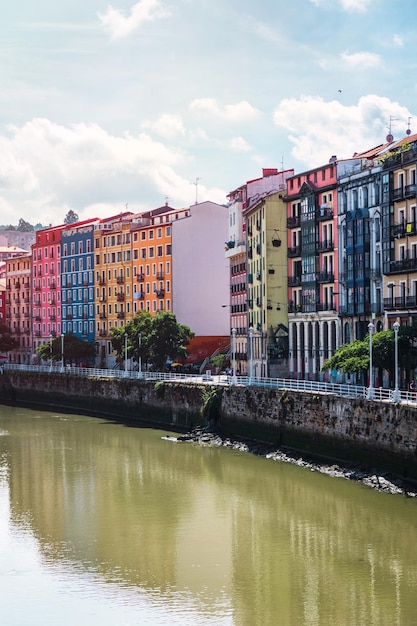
53, 285
37, 333
294, 281
52, 317
17, 285
325, 212
160, 276
160, 293
103, 316
38, 318
101, 282
102, 333
140, 277
120, 280
120, 297
294, 221
121, 315
325, 277
403, 265
294, 251
140, 295
68, 284
326, 246
68, 316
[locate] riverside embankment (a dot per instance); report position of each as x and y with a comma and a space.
380, 433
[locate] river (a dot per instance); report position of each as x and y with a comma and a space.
103, 523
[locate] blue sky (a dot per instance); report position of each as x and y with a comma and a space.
131, 103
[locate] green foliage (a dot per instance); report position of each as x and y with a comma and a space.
71, 217
349, 358
75, 349
160, 389
212, 400
7, 342
218, 361
24, 227
354, 357
152, 338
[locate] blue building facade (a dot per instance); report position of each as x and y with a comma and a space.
77, 275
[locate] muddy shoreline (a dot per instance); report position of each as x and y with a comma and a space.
371, 477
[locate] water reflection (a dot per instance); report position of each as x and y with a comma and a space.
202, 535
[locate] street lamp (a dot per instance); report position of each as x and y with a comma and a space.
62, 352
126, 354
233, 356
139, 356
50, 352
370, 394
396, 396
250, 354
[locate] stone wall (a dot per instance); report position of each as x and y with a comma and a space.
383, 427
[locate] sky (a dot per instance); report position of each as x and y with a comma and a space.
129, 105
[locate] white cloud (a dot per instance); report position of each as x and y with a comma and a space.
167, 126
47, 168
239, 145
118, 25
361, 60
398, 41
240, 112
319, 129
347, 5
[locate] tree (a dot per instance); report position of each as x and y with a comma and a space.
138, 331
7, 342
168, 339
354, 357
24, 227
71, 217
75, 349
349, 358
154, 338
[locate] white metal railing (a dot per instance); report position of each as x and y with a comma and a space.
338, 389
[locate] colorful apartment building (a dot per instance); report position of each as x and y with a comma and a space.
77, 279
3, 300
241, 201
113, 277
46, 285
399, 231
314, 329
360, 244
19, 306
267, 284
152, 258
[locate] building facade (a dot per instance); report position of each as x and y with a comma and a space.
19, 306
314, 328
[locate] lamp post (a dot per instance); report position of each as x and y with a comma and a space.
50, 352
233, 356
396, 396
62, 352
250, 354
370, 394
139, 356
125, 354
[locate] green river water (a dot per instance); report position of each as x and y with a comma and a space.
108, 524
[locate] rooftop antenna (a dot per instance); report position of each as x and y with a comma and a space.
390, 136
196, 189
166, 200
282, 164
408, 131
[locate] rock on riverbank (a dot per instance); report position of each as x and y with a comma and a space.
381, 481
